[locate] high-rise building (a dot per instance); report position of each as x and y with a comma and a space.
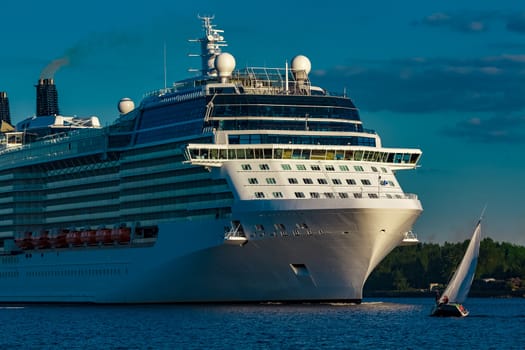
46, 98
4, 108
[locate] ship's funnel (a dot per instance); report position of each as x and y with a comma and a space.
5, 115
46, 98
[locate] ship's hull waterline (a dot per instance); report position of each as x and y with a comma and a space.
190, 263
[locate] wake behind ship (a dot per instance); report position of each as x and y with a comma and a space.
233, 186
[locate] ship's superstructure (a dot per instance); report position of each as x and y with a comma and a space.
235, 185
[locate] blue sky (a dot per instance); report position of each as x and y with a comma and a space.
444, 76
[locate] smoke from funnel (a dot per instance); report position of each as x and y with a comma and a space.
49, 71
91, 45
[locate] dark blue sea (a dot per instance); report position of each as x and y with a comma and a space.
388, 323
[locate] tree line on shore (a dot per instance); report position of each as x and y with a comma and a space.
417, 267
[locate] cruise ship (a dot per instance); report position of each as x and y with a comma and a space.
235, 185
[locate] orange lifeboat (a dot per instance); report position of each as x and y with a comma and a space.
58, 239
25, 240
42, 241
121, 235
89, 237
103, 236
73, 238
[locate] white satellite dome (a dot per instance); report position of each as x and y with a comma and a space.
126, 105
301, 63
225, 64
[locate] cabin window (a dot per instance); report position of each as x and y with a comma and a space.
299, 194
308, 181
301, 167
322, 181
293, 181
246, 167
366, 182
277, 194
270, 181
350, 181
286, 166
259, 194
336, 181
253, 181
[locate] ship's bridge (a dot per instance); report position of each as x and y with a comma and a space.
214, 155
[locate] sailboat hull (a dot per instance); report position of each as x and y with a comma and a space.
449, 310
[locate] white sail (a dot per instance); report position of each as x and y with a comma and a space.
459, 286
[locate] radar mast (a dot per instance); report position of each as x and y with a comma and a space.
211, 45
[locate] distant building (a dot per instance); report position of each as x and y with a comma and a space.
4, 108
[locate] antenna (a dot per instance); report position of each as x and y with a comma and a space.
286, 77
165, 69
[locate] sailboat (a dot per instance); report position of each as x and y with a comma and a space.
450, 302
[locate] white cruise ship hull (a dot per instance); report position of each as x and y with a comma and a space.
247, 185
190, 262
